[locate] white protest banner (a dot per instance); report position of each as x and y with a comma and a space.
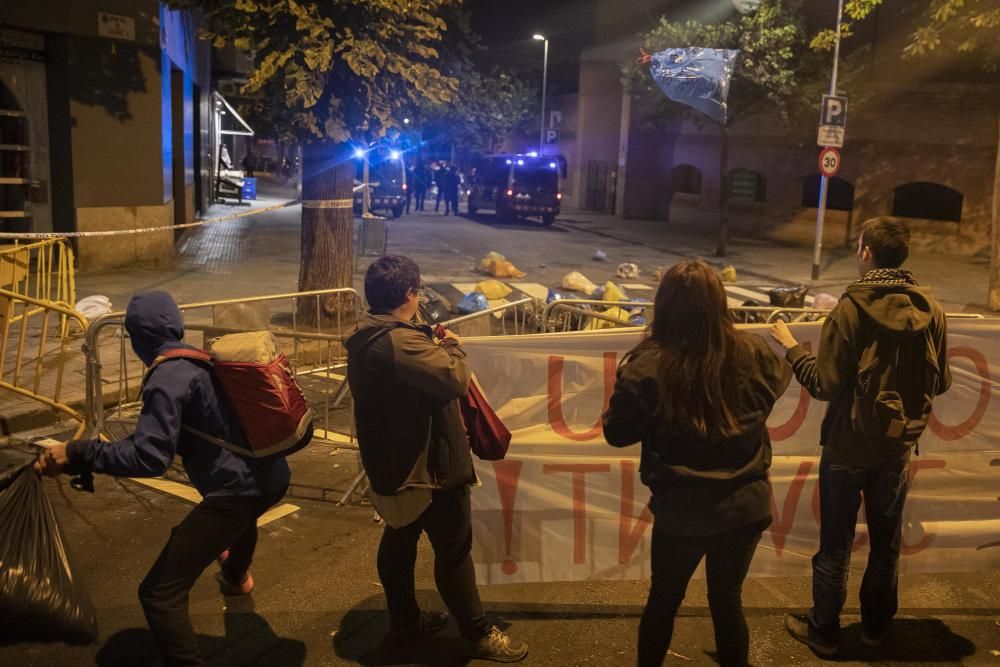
566, 506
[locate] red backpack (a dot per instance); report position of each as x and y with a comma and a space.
276, 419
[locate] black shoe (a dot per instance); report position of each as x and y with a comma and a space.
429, 623
498, 647
800, 627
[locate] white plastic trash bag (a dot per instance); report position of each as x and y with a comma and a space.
93, 307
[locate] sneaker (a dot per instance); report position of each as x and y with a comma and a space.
800, 627
429, 623
227, 587
498, 647
873, 641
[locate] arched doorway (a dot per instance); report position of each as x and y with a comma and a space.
930, 201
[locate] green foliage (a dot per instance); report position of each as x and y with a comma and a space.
326, 69
955, 26
491, 100
769, 69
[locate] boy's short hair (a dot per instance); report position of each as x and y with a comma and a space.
388, 279
889, 241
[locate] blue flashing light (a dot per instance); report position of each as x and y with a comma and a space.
552, 165
520, 163
510, 162
532, 153
359, 153
394, 155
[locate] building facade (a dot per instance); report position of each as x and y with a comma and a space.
108, 108
923, 146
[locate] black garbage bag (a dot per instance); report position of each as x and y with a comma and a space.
750, 316
433, 306
40, 597
788, 297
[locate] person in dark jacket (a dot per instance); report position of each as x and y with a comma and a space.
885, 301
421, 181
697, 393
415, 452
236, 490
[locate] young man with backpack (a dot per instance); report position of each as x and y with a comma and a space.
882, 359
182, 403
415, 450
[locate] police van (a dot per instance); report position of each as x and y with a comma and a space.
515, 185
386, 180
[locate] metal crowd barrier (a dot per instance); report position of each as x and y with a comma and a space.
512, 318
42, 270
316, 354
35, 339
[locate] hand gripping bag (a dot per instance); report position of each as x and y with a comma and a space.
40, 597
261, 387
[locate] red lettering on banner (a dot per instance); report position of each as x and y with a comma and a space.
794, 423
556, 418
947, 432
629, 533
507, 473
579, 471
781, 524
915, 467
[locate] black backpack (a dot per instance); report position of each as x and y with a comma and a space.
898, 377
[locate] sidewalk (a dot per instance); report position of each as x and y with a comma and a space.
960, 282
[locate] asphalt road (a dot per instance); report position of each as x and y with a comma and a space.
318, 600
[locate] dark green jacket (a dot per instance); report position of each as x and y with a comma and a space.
405, 389
831, 374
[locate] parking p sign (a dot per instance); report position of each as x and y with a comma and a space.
834, 111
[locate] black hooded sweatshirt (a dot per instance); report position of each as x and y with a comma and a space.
831, 374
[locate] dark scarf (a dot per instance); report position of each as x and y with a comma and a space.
889, 277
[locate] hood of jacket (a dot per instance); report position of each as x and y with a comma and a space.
154, 324
898, 308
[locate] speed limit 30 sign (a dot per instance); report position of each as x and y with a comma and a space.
829, 161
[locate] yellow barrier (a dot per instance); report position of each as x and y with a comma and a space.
42, 270
35, 348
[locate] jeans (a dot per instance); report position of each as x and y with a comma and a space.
216, 524
674, 559
840, 491
448, 524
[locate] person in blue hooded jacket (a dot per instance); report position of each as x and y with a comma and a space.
236, 490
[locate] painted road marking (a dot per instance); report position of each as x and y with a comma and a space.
333, 436
190, 494
534, 290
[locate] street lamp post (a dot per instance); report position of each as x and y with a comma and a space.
545, 75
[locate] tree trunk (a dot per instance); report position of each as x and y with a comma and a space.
720, 249
993, 300
327, 252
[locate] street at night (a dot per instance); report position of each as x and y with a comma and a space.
448, 332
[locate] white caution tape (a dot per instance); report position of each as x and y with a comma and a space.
143, 230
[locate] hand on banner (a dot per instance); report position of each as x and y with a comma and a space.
784, 337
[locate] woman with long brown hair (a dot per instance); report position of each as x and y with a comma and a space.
697, 392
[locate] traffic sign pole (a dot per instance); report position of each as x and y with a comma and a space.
818, 244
